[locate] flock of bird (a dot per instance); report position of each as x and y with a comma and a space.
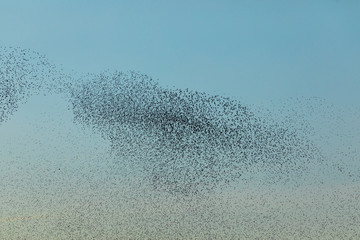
189, 142
22, 73
188, 146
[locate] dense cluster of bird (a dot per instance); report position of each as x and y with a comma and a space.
189, 142
193, 140
24, 72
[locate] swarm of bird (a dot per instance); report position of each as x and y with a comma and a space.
22, 73
186, 142
189, 141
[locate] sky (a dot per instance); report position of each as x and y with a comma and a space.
249, 50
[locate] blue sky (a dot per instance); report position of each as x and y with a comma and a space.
251, 50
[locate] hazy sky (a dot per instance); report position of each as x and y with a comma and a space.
252, 50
